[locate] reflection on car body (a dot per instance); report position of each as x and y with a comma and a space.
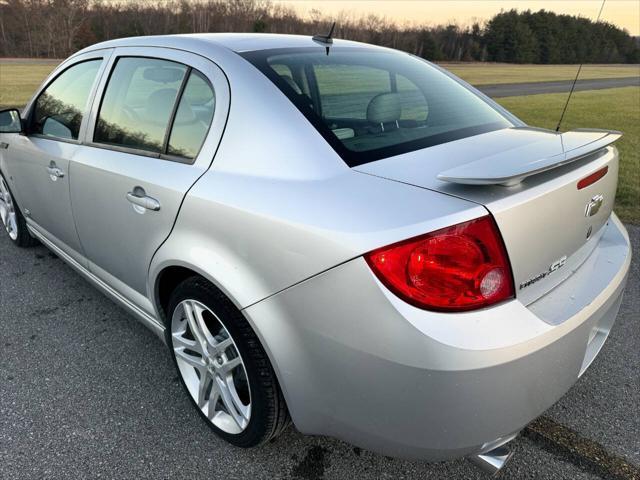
333, 239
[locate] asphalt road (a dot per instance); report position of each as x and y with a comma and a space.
535, 88
87, 392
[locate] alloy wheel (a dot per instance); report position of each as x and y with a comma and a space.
8, 211
211, 366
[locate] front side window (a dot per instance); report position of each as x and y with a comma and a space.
372, 104
59, 109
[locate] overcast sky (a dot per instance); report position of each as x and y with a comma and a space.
623, 13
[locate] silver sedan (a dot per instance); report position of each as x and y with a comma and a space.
330, 233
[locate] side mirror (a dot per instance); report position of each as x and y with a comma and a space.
10, 121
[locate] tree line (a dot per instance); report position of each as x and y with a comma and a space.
57, 28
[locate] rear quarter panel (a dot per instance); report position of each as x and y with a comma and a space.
254, 237
278, 205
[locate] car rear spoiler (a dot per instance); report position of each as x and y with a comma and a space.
505, 169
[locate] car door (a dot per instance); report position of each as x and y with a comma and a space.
39, 166
155, 126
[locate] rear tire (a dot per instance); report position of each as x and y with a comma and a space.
11, 218
207, 334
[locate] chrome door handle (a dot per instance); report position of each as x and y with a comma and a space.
141, 200
54, 172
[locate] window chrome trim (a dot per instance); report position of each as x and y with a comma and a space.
139, 152
55, 139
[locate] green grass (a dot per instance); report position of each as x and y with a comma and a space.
19, 78
492, 73
18, 81
617, 109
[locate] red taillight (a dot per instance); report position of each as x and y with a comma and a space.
593, 178
462, 267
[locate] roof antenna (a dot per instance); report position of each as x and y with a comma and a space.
576, 79
326, 40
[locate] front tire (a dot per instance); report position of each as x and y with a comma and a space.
223, 366
11, 218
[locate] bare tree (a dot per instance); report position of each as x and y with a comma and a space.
57, 28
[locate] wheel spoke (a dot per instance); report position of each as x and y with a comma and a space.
229, 365
7, 211
196, 362
205, 380
184, 343
12, 226
214, 397
214, 346
195, 320
222, 345
232, 403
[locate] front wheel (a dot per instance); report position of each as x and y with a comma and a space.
223, 366
11, 218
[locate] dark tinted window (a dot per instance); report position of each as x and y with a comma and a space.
59, 109
370, 104
193, 117
346, 90
413, 101
138, 103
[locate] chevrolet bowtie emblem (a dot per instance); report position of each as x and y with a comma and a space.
594, 205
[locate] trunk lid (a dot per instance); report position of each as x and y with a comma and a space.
528, 179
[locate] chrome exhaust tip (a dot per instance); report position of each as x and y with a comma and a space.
493, 461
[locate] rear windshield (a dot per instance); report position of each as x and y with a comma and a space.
372, 104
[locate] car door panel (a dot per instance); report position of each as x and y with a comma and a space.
43, 197
120, 238
111, 186
39, 166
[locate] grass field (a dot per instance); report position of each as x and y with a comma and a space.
20, 77
493, 73
617, 109
18, 80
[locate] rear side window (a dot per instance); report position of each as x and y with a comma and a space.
59, 109
371, 104
156, 106
193, 117
138, 103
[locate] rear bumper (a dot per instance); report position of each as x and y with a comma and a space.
356, 363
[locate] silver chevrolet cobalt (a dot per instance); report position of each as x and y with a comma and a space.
338, 234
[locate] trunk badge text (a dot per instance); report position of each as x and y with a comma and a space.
594, 205
552, 268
